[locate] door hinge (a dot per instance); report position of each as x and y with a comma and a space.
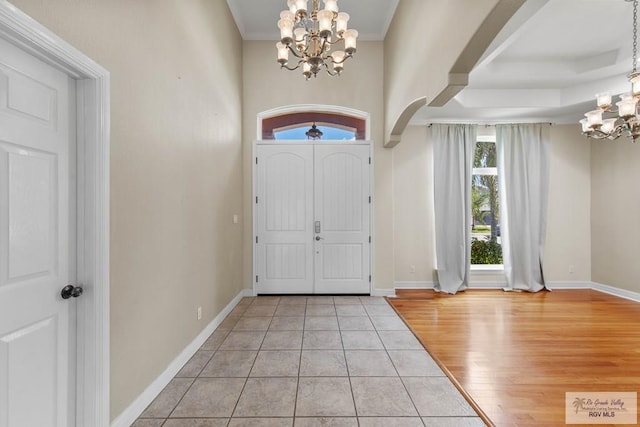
256, 239
369, 199
256, 199
369, 160
256, 160
369, 278
369, 239
258, 280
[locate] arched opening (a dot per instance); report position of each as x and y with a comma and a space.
293, 122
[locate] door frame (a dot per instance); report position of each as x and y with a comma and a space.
93, 124
254, 194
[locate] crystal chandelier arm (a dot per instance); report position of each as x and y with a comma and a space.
292, 68
598, 134
337, 40
630, 128
331, 73
295, 53
346, 56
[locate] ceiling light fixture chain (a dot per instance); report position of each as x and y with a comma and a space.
310, 35
635, 35
626, 119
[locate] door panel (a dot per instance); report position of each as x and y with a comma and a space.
31, 182
37, 236
283, 213
22, 387
342, 208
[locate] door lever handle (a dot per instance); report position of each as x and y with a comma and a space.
319, 238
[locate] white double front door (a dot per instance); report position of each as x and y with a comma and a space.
313, 215
37, 242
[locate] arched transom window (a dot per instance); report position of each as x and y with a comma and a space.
334, 126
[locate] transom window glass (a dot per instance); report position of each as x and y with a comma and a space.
328, 132
486, 247
334, 126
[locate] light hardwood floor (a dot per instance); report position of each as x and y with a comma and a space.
516, 354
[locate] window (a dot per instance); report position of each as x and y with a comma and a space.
329, 132
486, 246
334, 126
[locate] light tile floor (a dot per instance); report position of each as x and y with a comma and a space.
310, 361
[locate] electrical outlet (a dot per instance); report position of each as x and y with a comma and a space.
199, 313
571, 269
235, 218
412, 269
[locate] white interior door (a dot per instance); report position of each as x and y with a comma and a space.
343, 216
284, 247
299, 188
37, 235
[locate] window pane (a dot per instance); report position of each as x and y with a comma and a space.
328, 133
485, 205
485, 156
355, 126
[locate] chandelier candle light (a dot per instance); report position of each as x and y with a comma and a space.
627, 121
310, 35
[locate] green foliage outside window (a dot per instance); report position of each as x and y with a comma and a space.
485, 252
485, 188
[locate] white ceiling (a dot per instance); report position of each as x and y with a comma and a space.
256, 19
545, 65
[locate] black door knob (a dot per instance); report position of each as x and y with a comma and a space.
71, 291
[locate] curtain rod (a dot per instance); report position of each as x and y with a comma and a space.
489, 124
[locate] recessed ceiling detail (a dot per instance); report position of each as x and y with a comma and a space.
545, 65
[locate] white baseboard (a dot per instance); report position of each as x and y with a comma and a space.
133, 411
622, 293
413, 285
569, 285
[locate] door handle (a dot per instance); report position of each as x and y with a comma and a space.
71, 291
317, 227
319, 238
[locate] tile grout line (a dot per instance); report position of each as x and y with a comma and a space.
295, 400
396, 369
346, 363
246, 380
193, 380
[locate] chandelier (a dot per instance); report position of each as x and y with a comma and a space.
310, 36
627, 121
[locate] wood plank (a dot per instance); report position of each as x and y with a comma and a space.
516, 354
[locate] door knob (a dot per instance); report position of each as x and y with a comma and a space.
319, 238
71, 291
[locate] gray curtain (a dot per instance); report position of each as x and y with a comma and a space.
453, 149
523, 168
